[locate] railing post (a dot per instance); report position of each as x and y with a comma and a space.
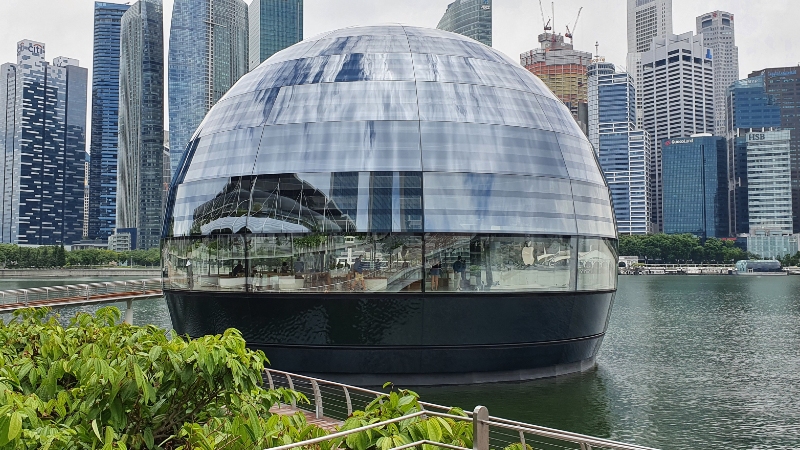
317, 399
291, 388
347, 399
129, 313
585, 446
522, 440
480, 429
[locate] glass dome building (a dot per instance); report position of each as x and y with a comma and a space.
394, 203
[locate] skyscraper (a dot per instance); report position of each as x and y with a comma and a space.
647, 19
749, 109
563, 70
696, 186
769, 182
677, 99
42, 148
208, 53
274, 26
622, 149
782, 84
472, 18
717, 29
140, 188
105, 120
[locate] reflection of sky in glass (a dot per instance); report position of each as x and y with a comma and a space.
394, 129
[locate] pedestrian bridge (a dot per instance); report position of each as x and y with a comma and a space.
82, 294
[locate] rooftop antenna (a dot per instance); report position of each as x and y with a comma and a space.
596, 49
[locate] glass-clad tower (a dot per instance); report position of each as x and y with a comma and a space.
42, 148
394, 200
141, 123
622, 148
274, 25
208, 52
749, 108
471, 18
105, 120
695, 186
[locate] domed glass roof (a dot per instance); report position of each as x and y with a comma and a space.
493, 149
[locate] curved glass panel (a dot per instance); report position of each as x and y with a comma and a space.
478, 148
455, 102
558, 114
453, 47
463, 202
339, 147
580, 159
593, 211
362, 44
212, 158
389, 262
460, 69
345, 102
597, 264
328, 69
243, 111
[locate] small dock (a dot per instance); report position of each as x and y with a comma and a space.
326, 423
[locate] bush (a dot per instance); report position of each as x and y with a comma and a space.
100, 384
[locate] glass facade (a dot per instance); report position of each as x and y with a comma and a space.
140, 191
105, 120
274, 26
389, 159
42, 148
695, 186
208, 52
471, 18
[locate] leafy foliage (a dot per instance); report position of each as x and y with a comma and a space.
398, 404
791, 260
675, 248
14, 256
97, 384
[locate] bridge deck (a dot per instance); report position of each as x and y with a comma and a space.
325, 423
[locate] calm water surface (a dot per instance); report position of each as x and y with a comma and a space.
688, 362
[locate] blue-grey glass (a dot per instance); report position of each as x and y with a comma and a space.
188, 197
560, 118
243, 111
296, 51
485, 203
479, 148
212, 158
362, 44
597, 264
434, 33
376, 30
345, 102
339, 147
456, 102
580, 158
328, 69
593, 212
459, 69
454, 47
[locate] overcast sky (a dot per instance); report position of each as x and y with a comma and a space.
765, 30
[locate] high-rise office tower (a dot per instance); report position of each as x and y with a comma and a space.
140, 185
274, 26
208, 53
696, 186
42, 148
563, 70
749, 109
105, 120
647, 19
472, 18
677, 99
769, 198
717, 29
622, 149
782, 84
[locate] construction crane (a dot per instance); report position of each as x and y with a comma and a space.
570, 33
546, 25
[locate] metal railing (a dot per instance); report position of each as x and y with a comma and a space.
81, 292
338, 401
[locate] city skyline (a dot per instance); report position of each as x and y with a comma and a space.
516, 25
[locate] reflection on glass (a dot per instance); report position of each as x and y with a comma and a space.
496, 263
597, 264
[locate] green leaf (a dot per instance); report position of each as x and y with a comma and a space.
434, 430
148, 438
96, 430
14, 426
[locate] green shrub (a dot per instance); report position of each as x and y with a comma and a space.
100, 384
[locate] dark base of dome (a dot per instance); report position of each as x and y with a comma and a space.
410, 339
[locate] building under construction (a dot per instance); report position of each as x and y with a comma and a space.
563, 69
